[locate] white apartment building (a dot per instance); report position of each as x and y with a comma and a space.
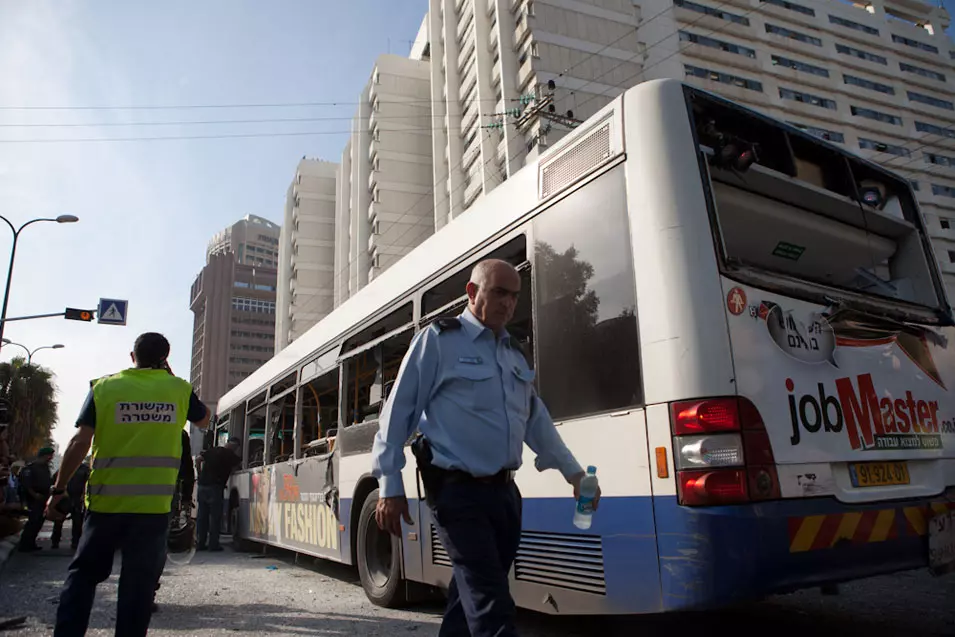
306, 255
877, 77
384, 199
486, 54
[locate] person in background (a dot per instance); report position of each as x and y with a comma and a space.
133, 420
215, 467
76, 492
36, 480
10, 509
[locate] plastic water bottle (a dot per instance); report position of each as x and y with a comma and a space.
585, 503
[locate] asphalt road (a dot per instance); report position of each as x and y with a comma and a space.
229, 593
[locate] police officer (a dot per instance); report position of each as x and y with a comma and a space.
134, 421
466, 384
35, 481
76, 492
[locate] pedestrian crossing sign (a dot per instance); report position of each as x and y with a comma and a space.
112, 312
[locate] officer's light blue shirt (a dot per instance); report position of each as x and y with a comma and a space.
472, 396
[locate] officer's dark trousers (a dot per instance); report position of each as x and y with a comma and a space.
209, 516
76, 520
141, 540
34, 523
480, 527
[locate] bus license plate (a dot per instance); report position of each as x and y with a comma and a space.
878, 474
941, 543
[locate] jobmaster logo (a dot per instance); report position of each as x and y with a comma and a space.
870, 422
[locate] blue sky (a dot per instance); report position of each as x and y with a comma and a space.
148, 209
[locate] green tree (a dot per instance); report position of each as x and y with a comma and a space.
32, 395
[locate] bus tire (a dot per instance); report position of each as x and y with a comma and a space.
379, 559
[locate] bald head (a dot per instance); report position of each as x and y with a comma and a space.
492, 293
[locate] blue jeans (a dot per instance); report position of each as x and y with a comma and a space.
209, 516
141, 540
480, 527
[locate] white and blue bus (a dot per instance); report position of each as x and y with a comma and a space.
743, 326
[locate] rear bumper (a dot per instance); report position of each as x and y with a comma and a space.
718, 555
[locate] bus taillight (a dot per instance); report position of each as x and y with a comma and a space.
720, 486
722, 452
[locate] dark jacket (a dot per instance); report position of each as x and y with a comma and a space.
36, 476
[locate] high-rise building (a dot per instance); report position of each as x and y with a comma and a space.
233, 303
384, 203
306, 279
874, 76
487, 54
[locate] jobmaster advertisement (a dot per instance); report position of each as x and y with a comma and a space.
840, 384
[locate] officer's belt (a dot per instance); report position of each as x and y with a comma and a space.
451, 476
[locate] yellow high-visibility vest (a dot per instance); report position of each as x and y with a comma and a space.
140, 414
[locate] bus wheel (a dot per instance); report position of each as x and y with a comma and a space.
379, 559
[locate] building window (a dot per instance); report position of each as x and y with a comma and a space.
922, 127
702, 40
917, 70
849, 24
945, 223
242, 304
868, 113
869, 84
821, 133
931, 101
862, 55
915, 44
793, 35
940, 160
915, 185
800, 66
943, 191
807, 98
724, 78
798, 8
882, 147
722, 15
951, 256
242, 284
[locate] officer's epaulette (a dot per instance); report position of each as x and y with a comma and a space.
443, 324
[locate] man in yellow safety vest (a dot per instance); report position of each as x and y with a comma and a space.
134, 421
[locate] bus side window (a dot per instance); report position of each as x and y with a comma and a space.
319, 412
368, 373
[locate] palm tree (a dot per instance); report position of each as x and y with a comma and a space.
32, 395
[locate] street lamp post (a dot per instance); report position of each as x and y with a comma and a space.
13, 254
30, 353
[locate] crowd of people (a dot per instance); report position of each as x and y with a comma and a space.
24, 491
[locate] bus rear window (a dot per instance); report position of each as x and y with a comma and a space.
788, 204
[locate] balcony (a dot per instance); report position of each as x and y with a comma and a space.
470, 155
372, 180
372, 118
470, 114
472, 190
372, 211
525, 74
496, 75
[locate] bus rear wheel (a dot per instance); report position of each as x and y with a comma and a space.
379, 559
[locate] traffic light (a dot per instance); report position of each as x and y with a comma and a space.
78, 315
